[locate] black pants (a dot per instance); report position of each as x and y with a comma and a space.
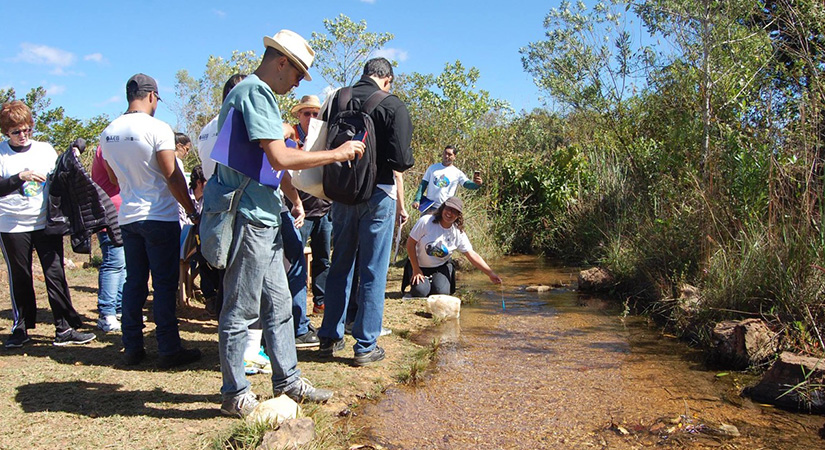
438, 280
17, 249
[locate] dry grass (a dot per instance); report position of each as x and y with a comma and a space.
82, 397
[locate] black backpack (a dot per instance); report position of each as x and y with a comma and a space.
352, 182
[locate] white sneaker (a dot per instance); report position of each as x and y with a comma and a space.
259, 363
108, 323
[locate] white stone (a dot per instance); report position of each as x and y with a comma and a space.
275, 411
444, 306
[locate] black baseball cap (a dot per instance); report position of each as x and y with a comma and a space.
142, 83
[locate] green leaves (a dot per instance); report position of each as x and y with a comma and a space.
341, 53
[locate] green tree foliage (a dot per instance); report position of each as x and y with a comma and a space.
707, 170
447, 108
340, 54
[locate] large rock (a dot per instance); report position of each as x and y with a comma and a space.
777, 385
275, 411
740, 344
291, 434
444, 306
596, 279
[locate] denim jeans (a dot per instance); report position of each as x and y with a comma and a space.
365, 229
151, 246
319, 229
255, 286
297, 273
110, 277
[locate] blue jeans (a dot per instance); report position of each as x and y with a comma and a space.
320, 230
110, 277
255, 287
297, 273
365, 229
151, 246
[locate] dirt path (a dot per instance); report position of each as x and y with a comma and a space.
82, 397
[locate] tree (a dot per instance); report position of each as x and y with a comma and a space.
340, 55
448, 108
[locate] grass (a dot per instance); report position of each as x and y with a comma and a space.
95, 402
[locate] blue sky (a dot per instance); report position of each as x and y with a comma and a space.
83, 52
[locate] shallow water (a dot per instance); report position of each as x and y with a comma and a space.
559, 370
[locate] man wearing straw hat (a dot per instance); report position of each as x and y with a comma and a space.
255, 284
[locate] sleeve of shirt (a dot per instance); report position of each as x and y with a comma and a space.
262, 116
428, 174
462, 177
401, 157
419, 228
164, 138
464, 244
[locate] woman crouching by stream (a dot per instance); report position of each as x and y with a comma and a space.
430, 246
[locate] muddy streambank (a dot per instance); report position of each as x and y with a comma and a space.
560, 370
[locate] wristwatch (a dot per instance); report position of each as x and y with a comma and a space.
193, 216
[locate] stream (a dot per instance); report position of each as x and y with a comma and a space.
562, 370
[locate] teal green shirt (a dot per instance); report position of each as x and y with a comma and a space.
255, 100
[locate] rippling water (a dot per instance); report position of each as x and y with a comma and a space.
558, 370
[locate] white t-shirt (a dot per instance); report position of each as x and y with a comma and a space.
435, 243
442, 182
25, 210
206, 141
130, 145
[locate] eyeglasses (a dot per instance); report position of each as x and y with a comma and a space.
157, 96
310, 113
22, 130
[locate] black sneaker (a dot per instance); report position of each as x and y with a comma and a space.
302, 391
307, 340
362, 359
182, 357
17, 339
73, 337
328, 347
134, 357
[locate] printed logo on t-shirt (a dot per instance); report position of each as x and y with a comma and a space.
442, 181
32, 188
112, 138
437, 249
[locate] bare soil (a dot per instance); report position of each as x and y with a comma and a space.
83, 397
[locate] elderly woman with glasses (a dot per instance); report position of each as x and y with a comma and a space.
24, 165
431, 244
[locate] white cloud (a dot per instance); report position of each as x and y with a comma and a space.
45, 55
219, 13
392, 54
110, 100
96, 57
55, 89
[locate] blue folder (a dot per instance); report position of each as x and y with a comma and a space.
234, 150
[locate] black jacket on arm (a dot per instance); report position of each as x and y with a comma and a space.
393, 130
78, 206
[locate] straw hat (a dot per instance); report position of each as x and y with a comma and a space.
294, 47
307, 101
